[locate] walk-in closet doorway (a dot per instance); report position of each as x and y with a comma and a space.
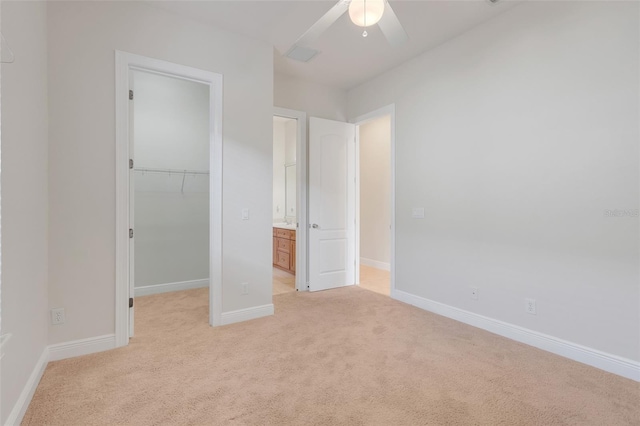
169, 202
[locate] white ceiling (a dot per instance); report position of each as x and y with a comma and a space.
346, 58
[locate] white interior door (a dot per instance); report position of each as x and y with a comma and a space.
331, 204
132, 185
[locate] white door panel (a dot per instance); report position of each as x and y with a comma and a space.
132, 209
331, 204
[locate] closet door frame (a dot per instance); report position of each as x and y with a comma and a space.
125, 62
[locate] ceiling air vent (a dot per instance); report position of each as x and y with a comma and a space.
301, 54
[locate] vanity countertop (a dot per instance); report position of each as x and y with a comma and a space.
290, 226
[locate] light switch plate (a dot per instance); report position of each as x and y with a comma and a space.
245, 214
417, 213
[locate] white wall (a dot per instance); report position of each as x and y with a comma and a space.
279, 147
291, 189
316, 100
290, 140
171, 131
82, 38
24, 197
516, 137
375, 192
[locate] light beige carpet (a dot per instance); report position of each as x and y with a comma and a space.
338, 357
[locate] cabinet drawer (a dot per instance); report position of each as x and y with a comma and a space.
283, 233
283, 245
283, 260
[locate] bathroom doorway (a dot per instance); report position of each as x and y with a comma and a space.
289, 204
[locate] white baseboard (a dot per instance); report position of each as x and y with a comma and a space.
168, 287
247, 314
614, 364
375, 264
20, 408
54, 353
82, 347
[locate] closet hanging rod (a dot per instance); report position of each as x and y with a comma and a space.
170, 171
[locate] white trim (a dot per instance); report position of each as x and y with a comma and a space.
55, 353
124, 63
389, 110
247, 314
613, 364
375, 264
4, 338
302, 231
81, 347
357, 207
20, 408
169, 287
122, 202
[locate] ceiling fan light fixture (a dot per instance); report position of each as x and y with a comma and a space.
365, 13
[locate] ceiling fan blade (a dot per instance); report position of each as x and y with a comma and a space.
323, 23
391, 28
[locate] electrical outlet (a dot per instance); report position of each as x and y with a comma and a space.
474, 293
530, 306
57, 316
244, 288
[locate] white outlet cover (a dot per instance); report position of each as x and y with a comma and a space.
57, 316
530, 306
245, 214
474, 293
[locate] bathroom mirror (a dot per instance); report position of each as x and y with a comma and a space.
290, 191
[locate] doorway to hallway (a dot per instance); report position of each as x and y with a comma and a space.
374, 203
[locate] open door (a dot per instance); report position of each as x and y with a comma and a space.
331, 204
132, 210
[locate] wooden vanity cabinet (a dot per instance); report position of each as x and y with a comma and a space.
284, 249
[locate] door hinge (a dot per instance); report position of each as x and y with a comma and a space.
131, 302
130, 232
130, 95
131, 163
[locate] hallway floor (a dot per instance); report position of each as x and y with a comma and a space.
376, 280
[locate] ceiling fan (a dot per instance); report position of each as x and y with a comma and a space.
363, 13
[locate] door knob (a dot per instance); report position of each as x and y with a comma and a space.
315, 225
